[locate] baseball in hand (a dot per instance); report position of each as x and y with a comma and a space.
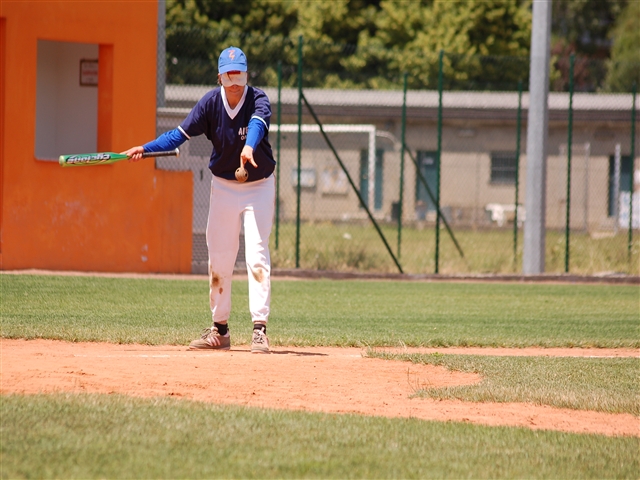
242, 174
246, 156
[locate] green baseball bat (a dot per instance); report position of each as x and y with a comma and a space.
105, 158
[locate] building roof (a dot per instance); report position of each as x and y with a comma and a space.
424, 103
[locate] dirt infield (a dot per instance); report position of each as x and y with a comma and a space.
335, 380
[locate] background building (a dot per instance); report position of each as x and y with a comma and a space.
478, 171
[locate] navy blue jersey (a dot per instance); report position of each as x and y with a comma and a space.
227, 131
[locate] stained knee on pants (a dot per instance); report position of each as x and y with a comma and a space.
215, 283
214, 279
258, 274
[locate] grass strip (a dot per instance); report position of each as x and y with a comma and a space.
325, 312
357, 247
600, 384
91, 436
386, 313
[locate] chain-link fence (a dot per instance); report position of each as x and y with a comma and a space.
424, 171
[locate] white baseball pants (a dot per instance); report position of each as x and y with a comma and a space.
232, 205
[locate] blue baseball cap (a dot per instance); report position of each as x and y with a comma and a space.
232, 59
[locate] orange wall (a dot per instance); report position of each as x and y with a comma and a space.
120, 217
3, 44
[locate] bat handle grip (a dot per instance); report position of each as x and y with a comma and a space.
170, 153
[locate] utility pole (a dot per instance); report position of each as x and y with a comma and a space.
537, 136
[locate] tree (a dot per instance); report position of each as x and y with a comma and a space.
354, 43
624, 66
197, 31
585, 25
582, 28
349, 43
409, 38
267, 31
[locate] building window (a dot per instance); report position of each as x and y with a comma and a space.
503, 168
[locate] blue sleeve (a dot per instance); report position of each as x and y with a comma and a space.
255, 131
167, 141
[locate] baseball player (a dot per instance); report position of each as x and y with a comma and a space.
235, 118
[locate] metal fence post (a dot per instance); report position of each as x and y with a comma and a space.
298, 186
518, 135
403, 133
278, 120
632, 172
439, 156
567, 227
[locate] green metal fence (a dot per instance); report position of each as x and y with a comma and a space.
424, 174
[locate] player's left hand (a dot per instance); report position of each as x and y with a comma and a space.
247, 156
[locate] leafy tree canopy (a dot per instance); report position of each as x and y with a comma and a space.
584, 25
409, 39
372, 43
624, 66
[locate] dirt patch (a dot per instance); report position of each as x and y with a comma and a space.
335, 380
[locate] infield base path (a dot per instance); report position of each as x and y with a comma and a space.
332, 380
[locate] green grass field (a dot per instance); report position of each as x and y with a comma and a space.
326, 312
358, 247
65, 436
600, 384
90, 436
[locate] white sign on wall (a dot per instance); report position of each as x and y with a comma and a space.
88, 73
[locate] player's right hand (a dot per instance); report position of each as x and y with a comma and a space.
247, 156
134, 153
